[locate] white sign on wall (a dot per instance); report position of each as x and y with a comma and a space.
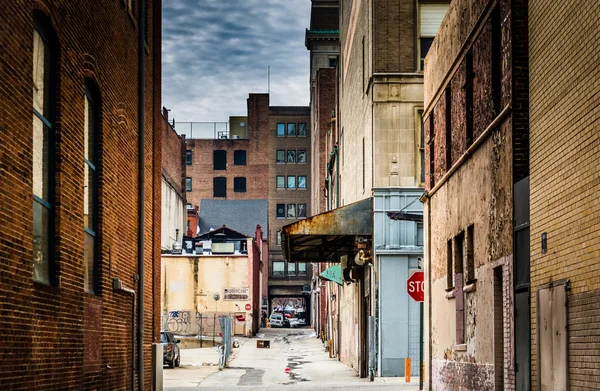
236, 294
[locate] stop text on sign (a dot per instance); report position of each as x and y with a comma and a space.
415, 286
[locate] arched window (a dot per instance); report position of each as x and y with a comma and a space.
43, 169
90, 187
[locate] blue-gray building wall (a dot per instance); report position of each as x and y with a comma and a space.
398, 247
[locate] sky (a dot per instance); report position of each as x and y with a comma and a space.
216, 52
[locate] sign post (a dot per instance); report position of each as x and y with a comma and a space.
415, 287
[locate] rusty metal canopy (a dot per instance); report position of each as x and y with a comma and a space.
326, 236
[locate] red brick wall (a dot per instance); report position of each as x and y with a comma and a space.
173, 155
46, 331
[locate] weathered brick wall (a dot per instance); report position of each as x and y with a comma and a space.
394, 26
564, 172
173, 156
41, 323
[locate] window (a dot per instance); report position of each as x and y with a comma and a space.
291, 269
291, 129
278, 268
188, 206
279, 238
302, 156
470, 262
291, 211
419, 234
239, 184
280, 156
291, 182
302, 182
301, 269
220, 187
220, 160
239, 158
332, 62
43, 145
449, 268
280, 211
421, 144
188, 184
291, 156
280, 130
302, 130
281, 181
448, 140
430, 19
188, 157
90, 191
301, 210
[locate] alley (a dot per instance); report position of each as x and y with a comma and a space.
255, 368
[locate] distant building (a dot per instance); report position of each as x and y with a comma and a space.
71, 269
262, 156
223, 262
476, 132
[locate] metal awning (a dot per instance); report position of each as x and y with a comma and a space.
326, 236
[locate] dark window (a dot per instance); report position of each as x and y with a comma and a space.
291, 156
280, 130
422, 146
188, 157
239, 184
280, 156
302, 130
301, 210
425, 46
90, 190
280, 210
469, 256
302, 156
281, 181
332, 62
239, 158
188, 184
302, 182
291, 129
220, 187
449, 268
43, 146
220, 160
291, 211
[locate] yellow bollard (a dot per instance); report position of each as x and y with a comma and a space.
407, 370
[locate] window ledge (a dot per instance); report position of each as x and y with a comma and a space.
460, 347
450, 293
470, 287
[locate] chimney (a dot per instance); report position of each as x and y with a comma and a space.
258, 235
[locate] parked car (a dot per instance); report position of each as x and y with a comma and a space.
171, 353
294, 322
277, 319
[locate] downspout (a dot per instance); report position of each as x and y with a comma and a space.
141, 184
425, 198
337, 177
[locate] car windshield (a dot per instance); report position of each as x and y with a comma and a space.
163, 338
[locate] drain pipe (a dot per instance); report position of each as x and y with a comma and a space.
141, 184
118, 287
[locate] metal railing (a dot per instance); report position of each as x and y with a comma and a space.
202, 130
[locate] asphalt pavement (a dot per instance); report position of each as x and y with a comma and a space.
296, 360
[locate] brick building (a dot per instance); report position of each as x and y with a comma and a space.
476, 174
565, 190
69, 195
173, 194
262, 156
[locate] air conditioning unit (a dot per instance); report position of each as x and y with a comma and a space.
235, 137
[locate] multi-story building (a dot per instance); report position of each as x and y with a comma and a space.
476, 175
374, 166
80, 191
565, 190
173, 194
262, 156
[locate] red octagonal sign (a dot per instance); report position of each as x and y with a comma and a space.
415, 286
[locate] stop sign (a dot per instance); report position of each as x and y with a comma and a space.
415, 286
248, 307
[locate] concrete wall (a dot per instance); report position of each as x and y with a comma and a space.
173, 215
565, 139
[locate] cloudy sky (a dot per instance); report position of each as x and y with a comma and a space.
215, 52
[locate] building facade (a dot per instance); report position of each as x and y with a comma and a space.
564, 186
476, 167
173, 195
70, 195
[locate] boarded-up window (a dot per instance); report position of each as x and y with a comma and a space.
220, 187
239, 184
220, 160
239, 158
552, 338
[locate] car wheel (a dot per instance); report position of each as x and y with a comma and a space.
178, 361
172, 363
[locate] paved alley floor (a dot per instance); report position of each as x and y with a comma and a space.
253, 368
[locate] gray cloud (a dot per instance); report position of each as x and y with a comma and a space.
215, 52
